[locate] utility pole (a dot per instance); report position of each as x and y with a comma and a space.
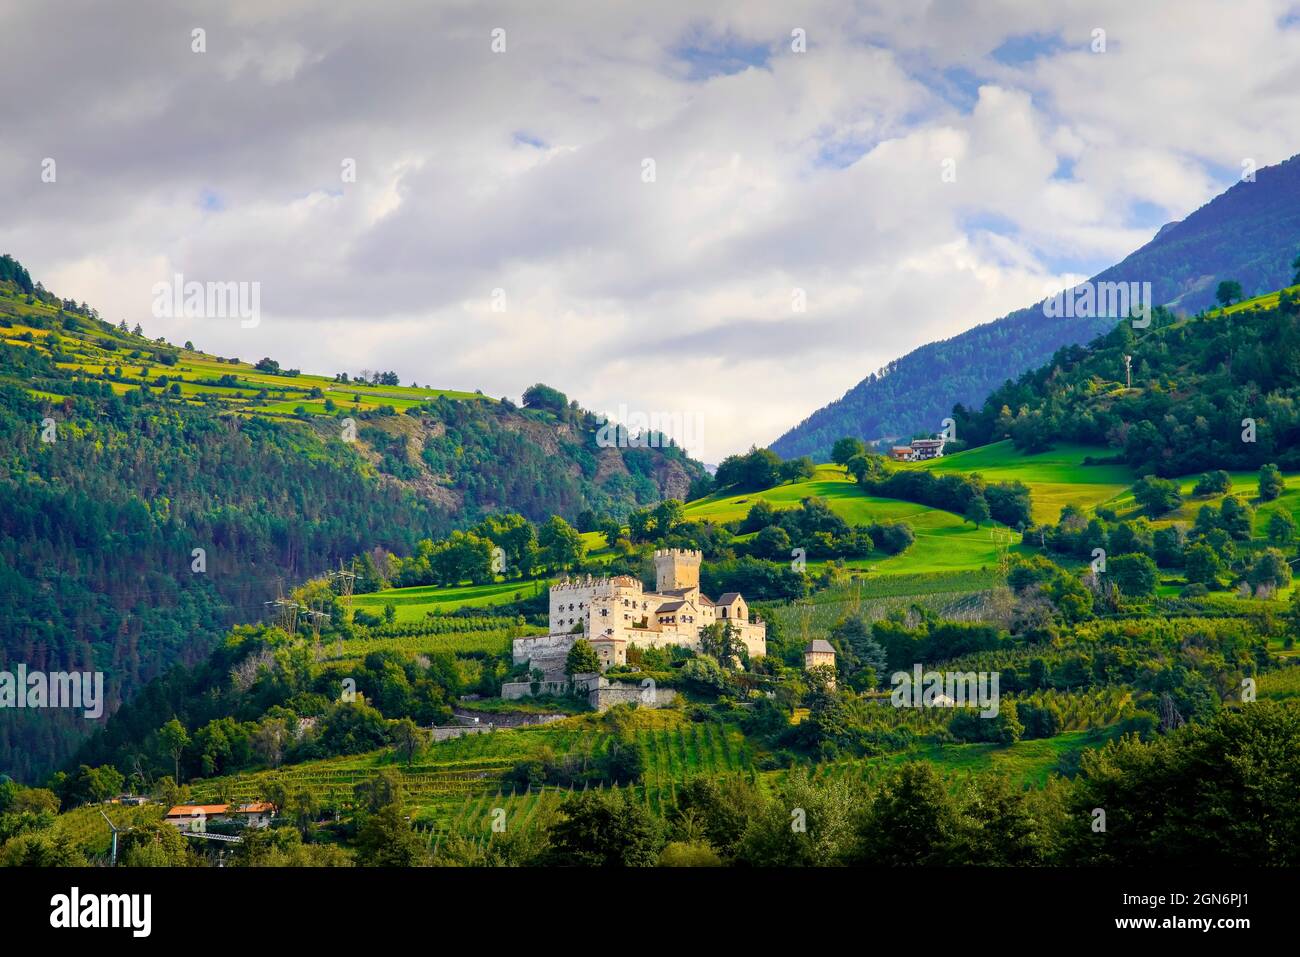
347, 581
287, 609
316, 617
113, 828
1128, 372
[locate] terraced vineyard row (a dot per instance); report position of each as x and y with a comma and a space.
462, 642
474, 816
335, 786
812, 620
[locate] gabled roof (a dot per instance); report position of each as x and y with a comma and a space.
189, 810
212, 810
728, 598
671, 605
819, 645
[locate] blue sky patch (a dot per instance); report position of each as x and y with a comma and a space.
710, 56
523, 138
1021, 50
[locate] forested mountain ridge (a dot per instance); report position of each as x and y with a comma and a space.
1217, 391
120, 455
1250, 234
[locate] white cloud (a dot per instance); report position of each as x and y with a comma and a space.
522, 171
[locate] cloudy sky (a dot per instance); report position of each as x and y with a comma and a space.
917, 169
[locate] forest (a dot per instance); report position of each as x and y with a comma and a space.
146, 462
1216, 391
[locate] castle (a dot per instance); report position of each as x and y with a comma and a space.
616, 613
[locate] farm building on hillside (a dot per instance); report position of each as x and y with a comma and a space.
195, 817
918, 451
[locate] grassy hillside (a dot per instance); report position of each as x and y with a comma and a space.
944, 542
89, 349
1217, 391
415, 602
1056, 478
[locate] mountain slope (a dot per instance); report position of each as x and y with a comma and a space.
1249, 233
119, 456
1196, 385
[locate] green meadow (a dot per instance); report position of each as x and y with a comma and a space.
944, 541
414, 603
1056, 478
96, 353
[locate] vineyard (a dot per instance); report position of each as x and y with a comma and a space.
451, 779
1280, 685
488, 635
1084, 710
474, 816
89, 832
961, 596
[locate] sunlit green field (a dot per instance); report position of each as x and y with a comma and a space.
1056, 478
1267, 301
96, 353
1245, 485
944, 541
412, 604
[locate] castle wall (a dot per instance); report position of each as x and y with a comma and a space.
540, 646
571, 600
602, 694
604, 698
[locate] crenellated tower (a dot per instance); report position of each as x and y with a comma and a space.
676, 568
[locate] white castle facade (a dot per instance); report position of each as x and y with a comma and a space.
617, 613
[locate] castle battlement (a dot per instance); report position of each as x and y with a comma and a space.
677, 568
588, 582
568, 584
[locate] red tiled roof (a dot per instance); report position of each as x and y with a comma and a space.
211, 810
189, 810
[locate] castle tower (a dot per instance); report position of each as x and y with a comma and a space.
676, 568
